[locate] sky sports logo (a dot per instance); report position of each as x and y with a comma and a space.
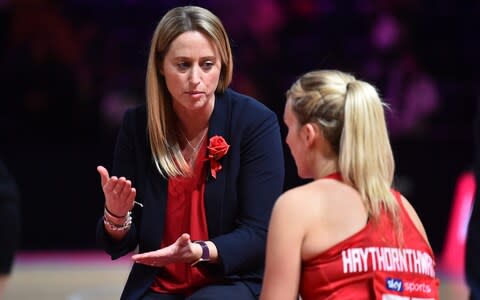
398, 285
394, 284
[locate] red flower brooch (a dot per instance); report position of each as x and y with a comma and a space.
217, 148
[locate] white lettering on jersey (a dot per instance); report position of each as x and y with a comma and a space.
387, 259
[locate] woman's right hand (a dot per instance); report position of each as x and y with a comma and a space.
119, 193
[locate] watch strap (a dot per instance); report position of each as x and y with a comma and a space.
205, 252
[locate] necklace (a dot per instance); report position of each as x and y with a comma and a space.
197, 147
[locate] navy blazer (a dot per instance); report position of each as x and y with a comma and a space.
238, 202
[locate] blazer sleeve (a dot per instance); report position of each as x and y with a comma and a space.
124, 157
259, 184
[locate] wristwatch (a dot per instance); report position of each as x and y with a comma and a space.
205, 253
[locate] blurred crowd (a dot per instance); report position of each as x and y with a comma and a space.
74, 66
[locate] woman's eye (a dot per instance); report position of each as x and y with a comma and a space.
183, 66
207, 65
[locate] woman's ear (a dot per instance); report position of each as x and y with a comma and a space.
310, 132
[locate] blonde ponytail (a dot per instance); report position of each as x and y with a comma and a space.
351, 116
366, 159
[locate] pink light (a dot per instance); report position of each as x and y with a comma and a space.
453, 256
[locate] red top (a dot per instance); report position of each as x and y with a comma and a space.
371, 265
185, 214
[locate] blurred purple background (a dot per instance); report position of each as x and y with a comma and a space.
69, 69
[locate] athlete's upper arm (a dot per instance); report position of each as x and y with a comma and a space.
285, 237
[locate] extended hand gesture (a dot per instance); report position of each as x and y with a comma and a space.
183, 250
119, 194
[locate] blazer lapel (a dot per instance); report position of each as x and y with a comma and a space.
215, 187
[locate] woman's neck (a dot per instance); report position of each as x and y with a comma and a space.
193, 123
324, 168
193, 129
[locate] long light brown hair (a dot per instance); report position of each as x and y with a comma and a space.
164, 142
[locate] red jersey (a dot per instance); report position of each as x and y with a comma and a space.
371, 265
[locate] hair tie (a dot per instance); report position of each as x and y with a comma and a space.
348, 85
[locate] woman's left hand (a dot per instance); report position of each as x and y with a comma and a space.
182, 251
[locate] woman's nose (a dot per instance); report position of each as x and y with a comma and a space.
195, 76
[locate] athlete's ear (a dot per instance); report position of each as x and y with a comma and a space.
309, 133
